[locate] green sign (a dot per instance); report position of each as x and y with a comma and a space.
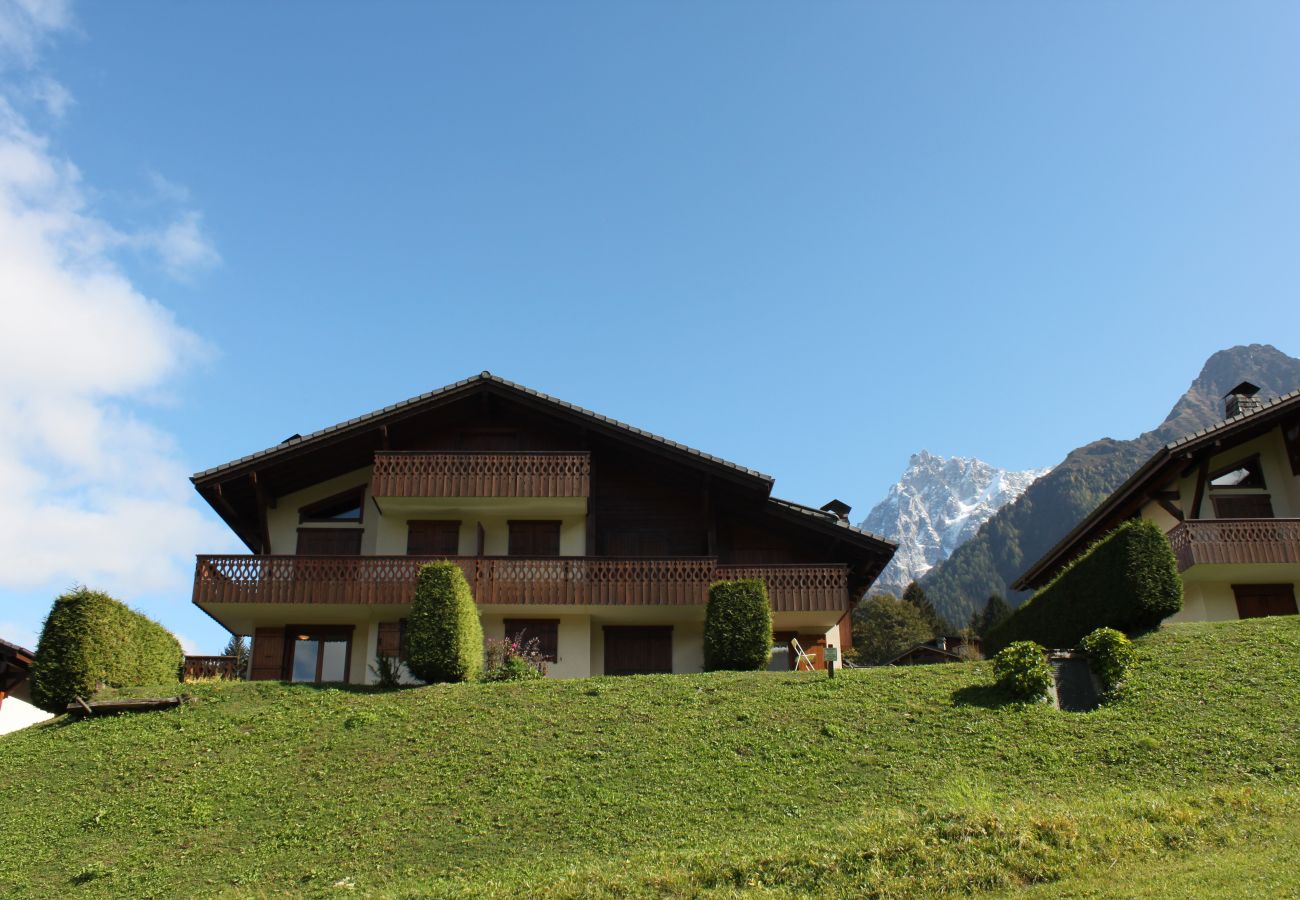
832, 654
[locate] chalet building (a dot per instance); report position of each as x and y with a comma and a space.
1229, 499
597, 538
16, 708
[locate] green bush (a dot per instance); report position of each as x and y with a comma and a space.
1128, 580
737, 626
444, 638
1111, 655
89, 640
1022, 670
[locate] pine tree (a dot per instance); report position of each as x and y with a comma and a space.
995, 612
238, 648
915, 595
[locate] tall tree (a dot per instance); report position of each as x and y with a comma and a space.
239, 649
915, 595
995, 612
884, 626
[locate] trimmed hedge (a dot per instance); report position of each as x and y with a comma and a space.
737, 626
1128, 580
1022, 671
89, 640
444, 637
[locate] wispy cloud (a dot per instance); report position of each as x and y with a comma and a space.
94, 492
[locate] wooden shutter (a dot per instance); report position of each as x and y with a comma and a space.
547, 632
268, 654
1246, 506
428, 538
329, 541
390, 639
534, 538
1255, 600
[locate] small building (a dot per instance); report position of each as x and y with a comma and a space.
597, 538
16, 708
1228, 497
937, 650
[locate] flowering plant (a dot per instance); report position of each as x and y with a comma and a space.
513, 659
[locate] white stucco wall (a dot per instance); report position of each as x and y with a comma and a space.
17, 713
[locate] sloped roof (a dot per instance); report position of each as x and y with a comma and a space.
379, 416
1151, 474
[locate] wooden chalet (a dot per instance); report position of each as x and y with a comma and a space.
16, 709
1229, 499
598, 538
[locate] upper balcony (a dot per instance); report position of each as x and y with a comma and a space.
1235, 542
532, 474
559, 580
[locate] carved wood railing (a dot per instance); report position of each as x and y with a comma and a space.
563, 580
210, 667
1229, 541
481, 475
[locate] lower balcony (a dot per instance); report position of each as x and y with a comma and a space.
1235, 542
565, 580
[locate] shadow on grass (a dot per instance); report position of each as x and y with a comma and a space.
988, 696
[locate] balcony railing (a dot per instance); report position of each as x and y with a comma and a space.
481, 475
210, 667
563, 580
1231, 541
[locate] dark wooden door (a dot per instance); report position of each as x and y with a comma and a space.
1256, 600
534, 538
329, 541
428, 538
638, 650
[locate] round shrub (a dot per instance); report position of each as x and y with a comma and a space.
89, 640
737, 626
444, 637
1022, 670
1110, 655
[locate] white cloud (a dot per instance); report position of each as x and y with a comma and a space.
182, 246
93, 493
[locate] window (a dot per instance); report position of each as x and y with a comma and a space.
329, 541
1245, 474
530, 538
428, 538
319, 653
547, 632
343, 507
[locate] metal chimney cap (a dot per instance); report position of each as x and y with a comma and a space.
838, 508
1245, 389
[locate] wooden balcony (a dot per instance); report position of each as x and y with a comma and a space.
210, 667
564, 580
481, 475
1235, 542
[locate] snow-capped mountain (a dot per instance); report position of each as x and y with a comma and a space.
934, 507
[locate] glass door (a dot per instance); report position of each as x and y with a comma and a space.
320, 654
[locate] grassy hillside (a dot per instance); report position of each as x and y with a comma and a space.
898, 782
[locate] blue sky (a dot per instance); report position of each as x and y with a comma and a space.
812, 238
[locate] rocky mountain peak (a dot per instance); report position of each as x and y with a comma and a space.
935, 506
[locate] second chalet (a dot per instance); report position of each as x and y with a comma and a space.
597, 538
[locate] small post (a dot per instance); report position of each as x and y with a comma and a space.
831, 654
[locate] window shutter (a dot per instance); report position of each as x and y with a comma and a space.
1247, 506
390, 639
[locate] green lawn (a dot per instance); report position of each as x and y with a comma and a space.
888, 782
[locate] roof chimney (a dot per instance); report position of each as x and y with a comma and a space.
1241, 400
839, 509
